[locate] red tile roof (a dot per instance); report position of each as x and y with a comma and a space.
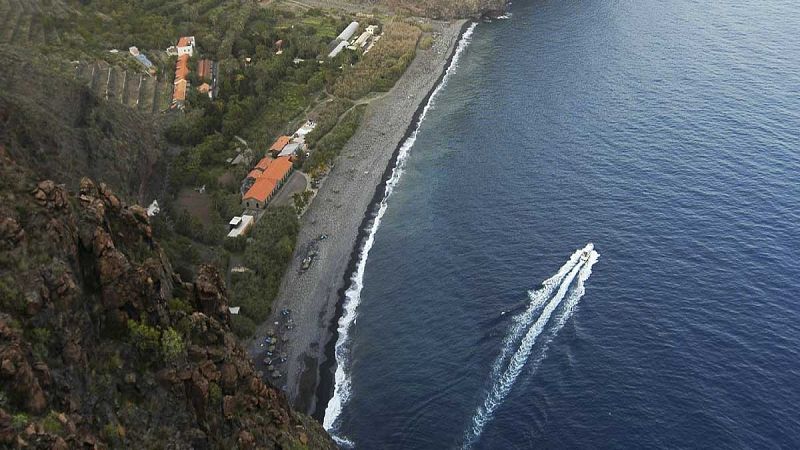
182, 67
266, 184
263, 164
280, 143
183, 41
179, 94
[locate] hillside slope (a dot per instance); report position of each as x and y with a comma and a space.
103, 346
52, 123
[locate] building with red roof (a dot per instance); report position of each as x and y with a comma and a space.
267, 184
277, 147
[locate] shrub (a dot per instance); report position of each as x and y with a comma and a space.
51, 424
19, 421
145, 338
426, 43
40, 341
176, 304
172, 345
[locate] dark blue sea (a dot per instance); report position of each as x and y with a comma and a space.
665, 133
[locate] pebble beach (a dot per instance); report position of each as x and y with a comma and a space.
338, 212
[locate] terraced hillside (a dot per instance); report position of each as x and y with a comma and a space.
135, 90
36, 23
29, 22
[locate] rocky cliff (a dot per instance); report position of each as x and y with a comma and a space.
103, 346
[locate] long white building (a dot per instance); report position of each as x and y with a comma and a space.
348, 32
338, 49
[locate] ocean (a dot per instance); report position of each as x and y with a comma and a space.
591, 241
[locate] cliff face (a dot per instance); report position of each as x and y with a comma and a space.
102, 345
55, 125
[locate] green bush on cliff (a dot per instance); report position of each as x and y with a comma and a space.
151, 342
144, 337
19, 421
172, 345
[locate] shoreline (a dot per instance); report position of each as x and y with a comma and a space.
342, 208
326, 384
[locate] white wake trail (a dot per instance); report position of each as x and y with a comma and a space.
503, 383
569, 308
342, 382
537, 298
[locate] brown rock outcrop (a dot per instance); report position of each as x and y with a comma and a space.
74, 374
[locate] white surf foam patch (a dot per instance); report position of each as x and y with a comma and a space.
503, 384
342, 387
523, 320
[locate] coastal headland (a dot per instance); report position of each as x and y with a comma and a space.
339, 212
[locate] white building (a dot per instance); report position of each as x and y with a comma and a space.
338, 49
185, 46
362, 40
290, 149
240, 225
348, 32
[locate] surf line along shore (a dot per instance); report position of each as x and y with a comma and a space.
341, 210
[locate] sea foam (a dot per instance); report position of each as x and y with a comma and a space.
342, 388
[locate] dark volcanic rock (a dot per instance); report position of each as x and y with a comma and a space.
90, 354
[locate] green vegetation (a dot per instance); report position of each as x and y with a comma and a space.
176, 304
153, 343
11, 299
301, 199
268, 255
329, 146
144, 337
51, 424
40, 341
426, 42
172, 345
19, 421
328, 117
383, 65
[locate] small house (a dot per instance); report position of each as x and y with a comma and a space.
185, 46
240, 226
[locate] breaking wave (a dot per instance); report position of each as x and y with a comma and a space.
342, 387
